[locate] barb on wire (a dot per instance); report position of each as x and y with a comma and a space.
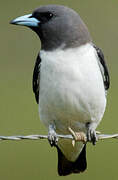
38, 137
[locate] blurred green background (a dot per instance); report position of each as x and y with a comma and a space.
33, 160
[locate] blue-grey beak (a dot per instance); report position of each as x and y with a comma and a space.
26, 20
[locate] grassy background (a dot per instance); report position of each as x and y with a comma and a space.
19, 46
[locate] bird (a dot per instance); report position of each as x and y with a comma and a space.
70, 81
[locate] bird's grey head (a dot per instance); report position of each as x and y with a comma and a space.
57, 26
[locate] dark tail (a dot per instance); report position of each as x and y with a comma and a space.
66, 167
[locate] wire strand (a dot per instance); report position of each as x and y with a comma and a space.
38, 137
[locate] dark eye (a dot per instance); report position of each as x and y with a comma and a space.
46, 16
43, 16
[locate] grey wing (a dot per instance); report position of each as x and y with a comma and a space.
103, 68
36, 78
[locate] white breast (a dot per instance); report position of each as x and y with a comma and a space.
71, 88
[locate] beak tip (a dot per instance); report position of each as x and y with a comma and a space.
25, 20
12, 22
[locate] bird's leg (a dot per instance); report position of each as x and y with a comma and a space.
78, 136
91, 133
52, 136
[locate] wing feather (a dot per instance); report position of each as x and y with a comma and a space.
36, 78
103, 68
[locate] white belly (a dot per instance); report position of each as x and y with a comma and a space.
71, 89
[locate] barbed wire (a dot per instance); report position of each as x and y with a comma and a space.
38, 137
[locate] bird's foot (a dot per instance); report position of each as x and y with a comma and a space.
52, 136
91, 134
78, 136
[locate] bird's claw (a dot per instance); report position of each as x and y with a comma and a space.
53, 139
91, 136
52, 136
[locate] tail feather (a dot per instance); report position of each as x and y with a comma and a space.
66, 167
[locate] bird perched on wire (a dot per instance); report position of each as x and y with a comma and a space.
70, 81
